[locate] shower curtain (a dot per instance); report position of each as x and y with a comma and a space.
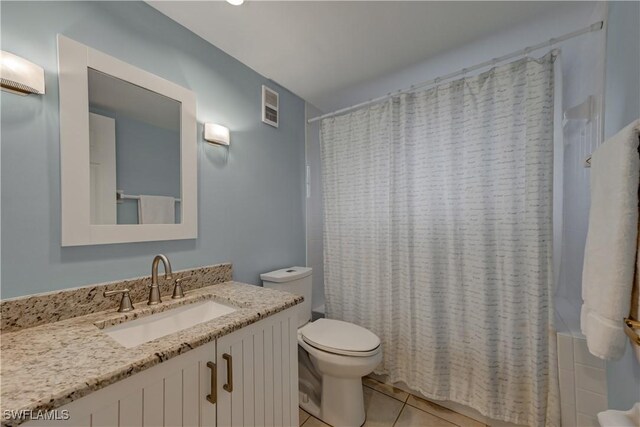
438, 238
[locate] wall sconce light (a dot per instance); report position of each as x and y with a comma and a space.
19, 76
216, 134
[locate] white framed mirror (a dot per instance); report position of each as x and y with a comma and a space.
128, 151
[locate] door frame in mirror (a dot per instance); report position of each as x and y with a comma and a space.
74, 59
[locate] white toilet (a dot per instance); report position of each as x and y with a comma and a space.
333, 356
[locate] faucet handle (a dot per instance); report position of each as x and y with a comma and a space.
125, 302
178, 292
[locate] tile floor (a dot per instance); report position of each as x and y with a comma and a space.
387, 406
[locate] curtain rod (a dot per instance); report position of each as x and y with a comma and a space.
593, 27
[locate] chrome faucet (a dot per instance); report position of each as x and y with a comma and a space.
154, 292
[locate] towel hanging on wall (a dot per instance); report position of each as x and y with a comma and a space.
610, 251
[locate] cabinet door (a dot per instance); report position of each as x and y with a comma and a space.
258, 373
173, 393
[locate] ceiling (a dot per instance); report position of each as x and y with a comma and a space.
314, 48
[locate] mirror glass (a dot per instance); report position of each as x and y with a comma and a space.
134, 153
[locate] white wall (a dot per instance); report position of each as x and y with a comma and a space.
622, 102
583, 382
565, 19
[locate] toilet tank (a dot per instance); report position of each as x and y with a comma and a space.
296, 280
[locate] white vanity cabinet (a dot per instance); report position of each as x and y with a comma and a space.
255, 379
258, 373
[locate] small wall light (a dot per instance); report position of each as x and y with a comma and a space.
216, 134
19, 76
235, 2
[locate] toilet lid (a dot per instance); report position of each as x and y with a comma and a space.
340, 337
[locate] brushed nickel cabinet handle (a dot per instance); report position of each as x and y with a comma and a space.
229, 385
213, 397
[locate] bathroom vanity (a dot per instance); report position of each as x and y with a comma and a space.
239, 367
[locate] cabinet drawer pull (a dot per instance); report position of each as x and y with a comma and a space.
229, 385
213, 397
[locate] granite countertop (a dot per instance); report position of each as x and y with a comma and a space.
47, 366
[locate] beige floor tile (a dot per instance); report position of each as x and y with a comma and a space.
414, 417
387, 389
314, 422
302, 416
442, 412
382, 410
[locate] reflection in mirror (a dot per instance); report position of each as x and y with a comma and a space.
134, 153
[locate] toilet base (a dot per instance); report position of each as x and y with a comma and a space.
342, 402
310, 406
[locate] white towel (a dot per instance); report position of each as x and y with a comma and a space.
610, 251
156, 210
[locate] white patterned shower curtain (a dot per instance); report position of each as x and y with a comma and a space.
438, 238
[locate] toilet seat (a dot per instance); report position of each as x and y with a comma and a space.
338, 337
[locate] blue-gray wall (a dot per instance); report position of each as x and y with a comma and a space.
147, 162
251, 198
622, 106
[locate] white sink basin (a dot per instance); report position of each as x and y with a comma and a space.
139, 331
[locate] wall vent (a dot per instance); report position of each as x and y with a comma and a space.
270, 106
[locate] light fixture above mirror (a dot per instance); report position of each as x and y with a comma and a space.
19, 76
216, 134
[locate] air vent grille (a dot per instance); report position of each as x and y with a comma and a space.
271, 98
270, 106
